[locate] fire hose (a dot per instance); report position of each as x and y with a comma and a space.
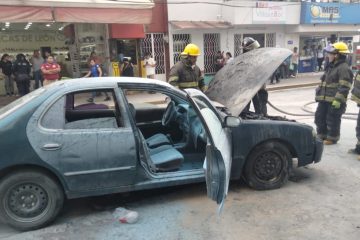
310, 112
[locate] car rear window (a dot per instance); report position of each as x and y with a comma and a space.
11, 107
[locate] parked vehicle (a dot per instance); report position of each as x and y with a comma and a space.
56, 145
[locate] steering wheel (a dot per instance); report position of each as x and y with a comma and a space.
169, 114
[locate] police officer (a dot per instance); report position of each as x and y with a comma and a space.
356, 98
185, 73
261, 97
332, 93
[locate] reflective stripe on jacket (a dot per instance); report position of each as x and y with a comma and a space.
356, 90
182, 75
335, 83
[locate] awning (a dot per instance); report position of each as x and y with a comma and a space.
199, 24
77, 11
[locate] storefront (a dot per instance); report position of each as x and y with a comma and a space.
71, 30
322, 24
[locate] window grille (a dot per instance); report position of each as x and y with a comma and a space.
211, 46
179, 43
154, 43
237, 44
270, 39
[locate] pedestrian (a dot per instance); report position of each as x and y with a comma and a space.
36, 62
320, 57
275, 75
294, 62
127, 69
50, 70
260, 99
332, 94
95, 71
219, 61
228, 58
149, 66
185, 73
6, 66
21, 70
313, 53
355, 96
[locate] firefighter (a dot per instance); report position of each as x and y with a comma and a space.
261, 97
185, 73
332, 94
356, 98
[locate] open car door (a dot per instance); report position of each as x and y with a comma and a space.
218, 151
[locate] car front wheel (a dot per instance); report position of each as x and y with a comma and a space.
267, 166
29, 200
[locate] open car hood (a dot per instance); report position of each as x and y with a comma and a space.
237, 82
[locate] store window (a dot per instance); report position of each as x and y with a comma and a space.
211, 47
179, 43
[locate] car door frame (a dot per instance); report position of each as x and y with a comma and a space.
217, 171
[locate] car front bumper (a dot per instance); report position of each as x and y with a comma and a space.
319, 147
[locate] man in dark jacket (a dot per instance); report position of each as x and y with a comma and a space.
6, 67
356, 98
185, 73
21, 70
332, 93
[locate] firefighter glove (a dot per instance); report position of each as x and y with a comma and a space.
336, 104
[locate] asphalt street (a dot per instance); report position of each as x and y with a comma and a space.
320, 201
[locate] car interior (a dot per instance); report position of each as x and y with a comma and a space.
171, 131
171, 134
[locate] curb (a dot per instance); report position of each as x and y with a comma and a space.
292, 86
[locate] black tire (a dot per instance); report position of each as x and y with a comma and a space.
267, 166
29, 200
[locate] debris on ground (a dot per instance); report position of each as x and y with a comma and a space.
124, 215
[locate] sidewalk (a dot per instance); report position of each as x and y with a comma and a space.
301, 80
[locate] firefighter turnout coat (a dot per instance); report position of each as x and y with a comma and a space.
183, 75
335, 83
356, 90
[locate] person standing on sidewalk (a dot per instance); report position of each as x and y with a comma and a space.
320, 57
6, 66
36, 62
95, 71
294, 62
50, 70
332, 94
21, 70
149, 65
185, 73
355, 96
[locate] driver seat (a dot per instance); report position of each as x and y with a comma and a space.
156, 140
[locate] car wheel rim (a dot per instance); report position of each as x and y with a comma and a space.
268, 167
27, 202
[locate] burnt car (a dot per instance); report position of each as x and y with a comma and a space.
55, 144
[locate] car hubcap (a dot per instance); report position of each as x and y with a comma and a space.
268, 166
27, 202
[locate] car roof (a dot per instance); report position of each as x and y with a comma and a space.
108, 82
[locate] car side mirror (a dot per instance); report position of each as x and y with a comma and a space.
231, 121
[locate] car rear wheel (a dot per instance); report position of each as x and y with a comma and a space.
29, 200
267, 166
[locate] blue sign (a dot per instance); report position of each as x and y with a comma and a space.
330, 13
290, 42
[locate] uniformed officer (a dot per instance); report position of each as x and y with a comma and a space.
356, 98
185, 73
261, 97
332, 94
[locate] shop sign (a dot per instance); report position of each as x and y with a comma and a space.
31, 37
290, 42
268, 12
330, 13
